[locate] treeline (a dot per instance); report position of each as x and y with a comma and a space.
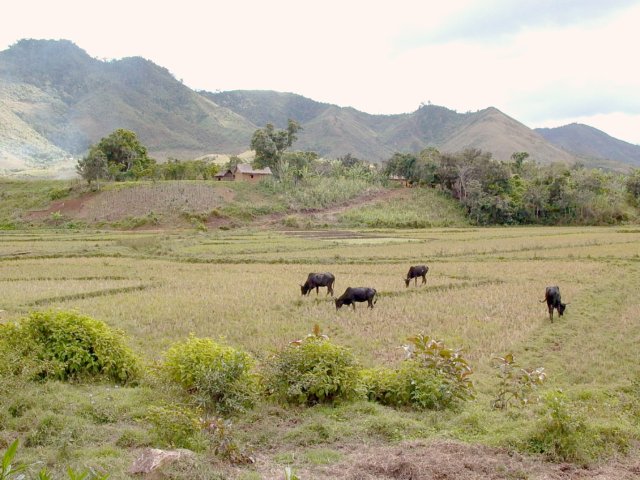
522, 191
120, 157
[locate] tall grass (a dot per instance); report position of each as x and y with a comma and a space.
424, 208
320, 192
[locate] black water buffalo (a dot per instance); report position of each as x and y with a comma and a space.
357, 294
317, 280
552, 297
415, 272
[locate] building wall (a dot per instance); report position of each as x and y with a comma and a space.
250, 177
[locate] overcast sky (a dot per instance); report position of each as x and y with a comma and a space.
543, 62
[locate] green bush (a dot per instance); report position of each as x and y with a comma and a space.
58, 193
219, 376
66, 345
563, 434
410, 385
433, 377
311, 371
516, 384
175, 426
17, 354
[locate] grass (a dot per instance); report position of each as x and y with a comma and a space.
482, 294
17, 196
425, 208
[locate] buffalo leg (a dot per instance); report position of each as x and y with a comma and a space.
551, 313
353, 304
424, 279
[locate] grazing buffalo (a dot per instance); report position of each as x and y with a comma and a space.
357, 294
415, 272
552, 297
317, 280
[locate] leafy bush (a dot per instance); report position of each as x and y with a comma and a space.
432, 377
176, 426
311, 371
218, 375
66, 345
410, 385
448, 364
516, 384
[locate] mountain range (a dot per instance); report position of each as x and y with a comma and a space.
56, 100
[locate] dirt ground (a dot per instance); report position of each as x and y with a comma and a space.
449, 460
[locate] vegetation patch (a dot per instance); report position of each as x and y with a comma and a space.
312, 370
217, 375
66, 346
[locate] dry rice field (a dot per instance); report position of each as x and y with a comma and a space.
482, 294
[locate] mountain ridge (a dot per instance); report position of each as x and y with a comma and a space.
56, 100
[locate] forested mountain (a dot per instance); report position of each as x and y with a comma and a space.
56, 100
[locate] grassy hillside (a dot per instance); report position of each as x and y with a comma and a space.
320, 203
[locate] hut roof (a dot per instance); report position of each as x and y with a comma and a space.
246, 168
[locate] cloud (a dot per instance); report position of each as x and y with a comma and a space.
493, 20
567, 101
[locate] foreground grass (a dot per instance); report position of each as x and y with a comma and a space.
482, 294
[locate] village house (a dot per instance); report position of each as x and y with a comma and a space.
227, 176
245, 173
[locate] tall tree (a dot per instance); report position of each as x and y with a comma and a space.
270, 143
125, 156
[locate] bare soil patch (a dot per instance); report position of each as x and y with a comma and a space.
449, 460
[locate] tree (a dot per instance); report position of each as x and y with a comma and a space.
125, 156
518, 159
93, 167
632, 186
270, 143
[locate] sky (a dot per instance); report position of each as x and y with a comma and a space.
545, 63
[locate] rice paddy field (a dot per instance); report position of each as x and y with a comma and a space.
242, 287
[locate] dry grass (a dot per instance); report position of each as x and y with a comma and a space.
482, 293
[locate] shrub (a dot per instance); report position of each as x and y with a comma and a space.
311, 371
58, 193
176, 426
17, 354
563, 434
66, 345
218, 375
432, 377
516, 384
410, 385
445, 363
